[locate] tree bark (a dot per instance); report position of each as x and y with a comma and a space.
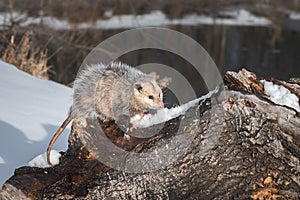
236, 145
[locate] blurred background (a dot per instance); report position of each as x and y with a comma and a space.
51, 38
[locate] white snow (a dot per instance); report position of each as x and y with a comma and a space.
2, 161
108, 13
41, 160
5, 17
243, 18
281, 95
294, 15
239, 17
166, 114
31, 110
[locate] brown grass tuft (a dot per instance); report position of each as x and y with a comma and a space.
25, 57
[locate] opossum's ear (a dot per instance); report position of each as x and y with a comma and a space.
138, 86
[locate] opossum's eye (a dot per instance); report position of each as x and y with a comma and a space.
138, 87
151, 97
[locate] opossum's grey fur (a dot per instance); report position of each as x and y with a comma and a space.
106, 91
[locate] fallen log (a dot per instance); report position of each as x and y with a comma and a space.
236, 145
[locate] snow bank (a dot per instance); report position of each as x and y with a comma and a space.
239, 17
281, 95
294, 15
31, 110
41, 160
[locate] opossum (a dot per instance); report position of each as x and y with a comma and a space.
109, 92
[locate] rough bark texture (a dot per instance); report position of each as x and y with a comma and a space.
242, 147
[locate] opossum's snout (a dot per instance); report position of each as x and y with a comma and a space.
156, 104
161, 105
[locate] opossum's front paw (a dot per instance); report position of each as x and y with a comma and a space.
136, 118
143, 114
135, 121
126, 136
134, 126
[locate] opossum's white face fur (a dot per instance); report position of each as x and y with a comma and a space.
148, 95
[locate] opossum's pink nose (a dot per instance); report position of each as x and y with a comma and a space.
161, 104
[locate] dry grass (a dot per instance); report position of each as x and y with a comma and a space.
25, 57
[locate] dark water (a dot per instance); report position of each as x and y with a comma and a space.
258, 50
266, 51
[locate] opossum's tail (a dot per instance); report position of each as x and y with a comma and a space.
55, 136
